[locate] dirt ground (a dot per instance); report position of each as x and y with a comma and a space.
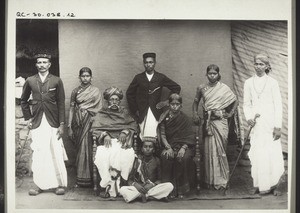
48, 200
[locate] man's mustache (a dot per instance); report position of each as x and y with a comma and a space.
113, 105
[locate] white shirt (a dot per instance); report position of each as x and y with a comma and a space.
43, 77
149, 76
262, 96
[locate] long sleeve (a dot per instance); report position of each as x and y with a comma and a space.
131, 95
61, 101
248, 102
171, 85
277, 105
24, 101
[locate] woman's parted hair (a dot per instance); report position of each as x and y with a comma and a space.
215, 68
175, 96
85, 69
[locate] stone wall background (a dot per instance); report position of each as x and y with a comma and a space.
21, 131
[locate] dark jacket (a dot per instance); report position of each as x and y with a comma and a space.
143, 93
47, 97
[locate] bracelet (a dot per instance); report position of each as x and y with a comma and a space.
184, 147
62, 123
133, 183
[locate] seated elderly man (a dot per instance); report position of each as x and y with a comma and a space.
115, 156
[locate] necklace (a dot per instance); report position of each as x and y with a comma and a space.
213, 84
262, 90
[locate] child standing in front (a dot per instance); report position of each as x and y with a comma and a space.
145, 178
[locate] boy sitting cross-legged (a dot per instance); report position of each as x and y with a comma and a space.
145, 178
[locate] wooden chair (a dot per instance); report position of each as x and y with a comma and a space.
197, 159
136, 147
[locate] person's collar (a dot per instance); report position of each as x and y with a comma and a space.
45, 75
150, 74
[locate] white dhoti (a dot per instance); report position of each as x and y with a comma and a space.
266, 158
149, 125
265, 154
48, 167
112, 159
159, 191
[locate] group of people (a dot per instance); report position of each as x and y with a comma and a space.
165, 167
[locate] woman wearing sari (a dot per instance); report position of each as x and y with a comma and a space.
219, 104
86, 101
175, 134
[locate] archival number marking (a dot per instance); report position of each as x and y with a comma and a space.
45, 15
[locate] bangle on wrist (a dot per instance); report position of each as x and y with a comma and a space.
184, 147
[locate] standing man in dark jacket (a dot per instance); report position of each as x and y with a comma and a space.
144, 93
46, 122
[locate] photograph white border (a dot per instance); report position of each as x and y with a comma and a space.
135, 9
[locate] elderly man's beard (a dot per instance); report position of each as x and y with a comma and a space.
114, 107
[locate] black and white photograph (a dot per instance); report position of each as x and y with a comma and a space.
119, 111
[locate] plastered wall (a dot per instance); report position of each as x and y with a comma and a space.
113, 50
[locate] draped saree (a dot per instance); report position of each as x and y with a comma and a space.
215, 101
86, 102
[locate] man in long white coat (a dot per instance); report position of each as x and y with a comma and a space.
262, 96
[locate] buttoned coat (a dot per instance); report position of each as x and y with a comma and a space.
47, 97
143, 93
